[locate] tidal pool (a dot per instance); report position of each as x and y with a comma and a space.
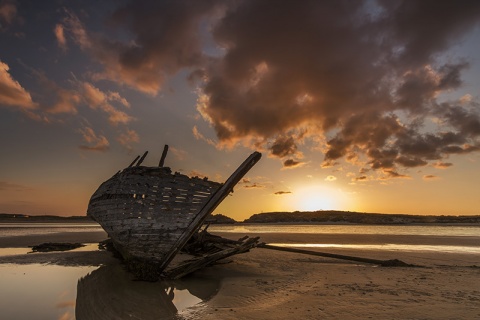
36, 291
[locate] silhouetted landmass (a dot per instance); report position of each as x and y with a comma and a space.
328, 216
220, 219
355, 217
8, 217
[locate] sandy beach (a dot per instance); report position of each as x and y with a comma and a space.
266, 284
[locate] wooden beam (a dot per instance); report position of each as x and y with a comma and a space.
133, 162
142, 158
164, 154
385, 263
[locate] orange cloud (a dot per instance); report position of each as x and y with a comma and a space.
8, 13
93, 141
128, 137
60, 36
97, 99
12, 94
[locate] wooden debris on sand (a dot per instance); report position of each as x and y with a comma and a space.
56, 246
383, 263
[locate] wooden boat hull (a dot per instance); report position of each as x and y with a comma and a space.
150, 213
146, 210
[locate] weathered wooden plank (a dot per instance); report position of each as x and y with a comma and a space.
164, 155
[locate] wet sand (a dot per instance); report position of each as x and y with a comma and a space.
266, 284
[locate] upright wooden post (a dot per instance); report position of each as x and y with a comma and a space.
133, 162
164, 155
142, 158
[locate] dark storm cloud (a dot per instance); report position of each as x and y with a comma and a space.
165, 38
338, 65
8, 13
279, 193
283, 147
291, 163
361, 78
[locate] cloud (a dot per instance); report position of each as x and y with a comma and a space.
199, 136
60, 36
8, 13
93, 141
5, 185
12, 94
128, 137
98, 99
248, 184
442, 165
54, 99
330, 178
166, 38
394, 174
278, 193
253, 186
361, 80
196, 173
430, 177
178, 153
360, 178
349, 84
291, 163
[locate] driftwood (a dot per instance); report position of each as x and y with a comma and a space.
217, 248
384, 263
56, 246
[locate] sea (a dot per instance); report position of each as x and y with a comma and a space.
48, 291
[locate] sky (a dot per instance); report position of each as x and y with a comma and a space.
369, 106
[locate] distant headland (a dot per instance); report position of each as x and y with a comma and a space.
296, 217
333, 216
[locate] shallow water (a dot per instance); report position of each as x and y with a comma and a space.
424, 230
17, 251
21, 229
36, 291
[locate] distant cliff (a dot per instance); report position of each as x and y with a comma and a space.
354, 217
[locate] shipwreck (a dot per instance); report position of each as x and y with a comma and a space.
154, 218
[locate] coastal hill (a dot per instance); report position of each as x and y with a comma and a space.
14, 218
327, 216
332, 216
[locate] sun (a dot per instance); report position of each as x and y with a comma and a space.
316, 197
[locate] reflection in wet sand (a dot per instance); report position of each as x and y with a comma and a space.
111, 293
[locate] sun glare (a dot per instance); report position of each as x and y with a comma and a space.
317, 197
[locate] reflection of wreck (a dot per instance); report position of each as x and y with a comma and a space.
110, 293
151, 214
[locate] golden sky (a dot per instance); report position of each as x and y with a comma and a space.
368, 106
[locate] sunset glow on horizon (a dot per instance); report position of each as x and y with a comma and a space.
367, 106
